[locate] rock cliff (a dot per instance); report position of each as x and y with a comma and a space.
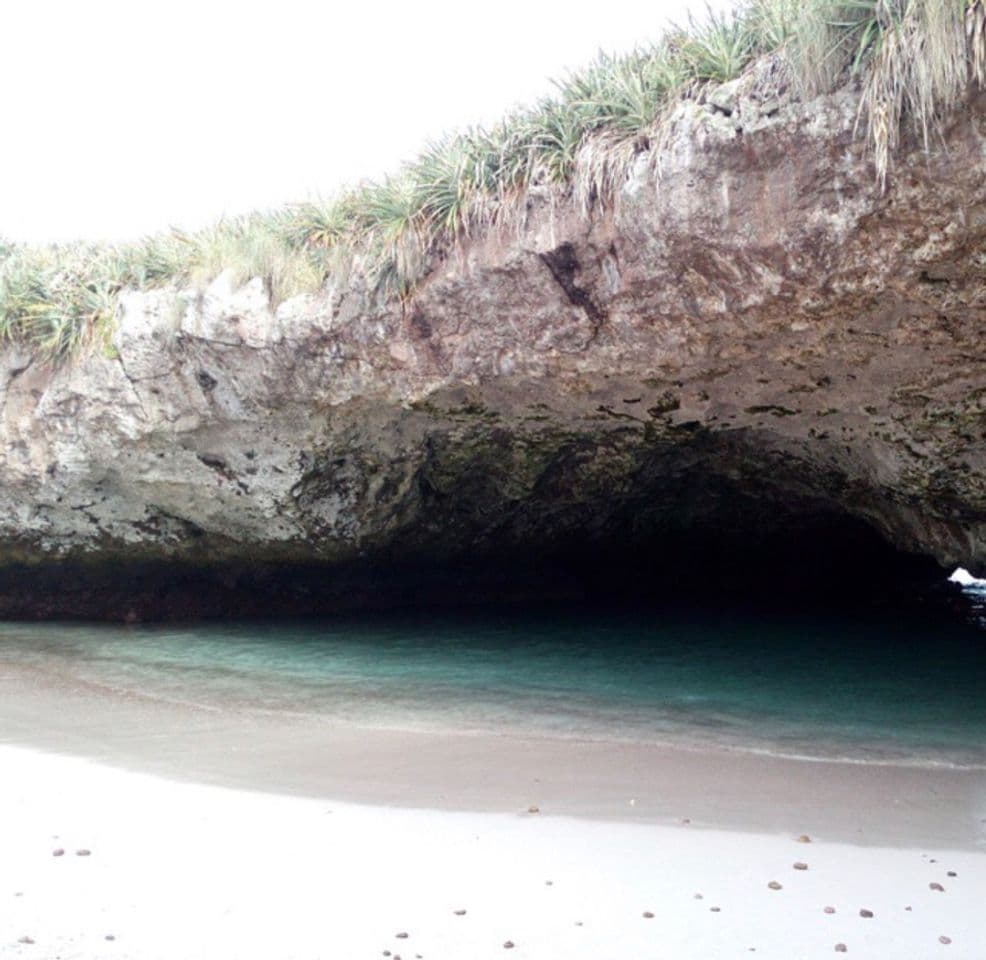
756, 343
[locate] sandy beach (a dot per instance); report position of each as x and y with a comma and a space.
187, 871
224, 834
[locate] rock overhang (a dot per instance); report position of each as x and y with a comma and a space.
756, 338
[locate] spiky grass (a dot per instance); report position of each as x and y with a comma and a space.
57, 299
912, 60
717, 49
623, 94
772, 24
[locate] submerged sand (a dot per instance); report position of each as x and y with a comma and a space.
237, 834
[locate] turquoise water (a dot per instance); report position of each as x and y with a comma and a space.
873, 689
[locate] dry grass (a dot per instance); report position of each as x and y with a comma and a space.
914, 59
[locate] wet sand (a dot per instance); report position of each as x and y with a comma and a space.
313, 757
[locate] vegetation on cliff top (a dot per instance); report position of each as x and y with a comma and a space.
911, 60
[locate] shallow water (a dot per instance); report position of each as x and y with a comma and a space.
861, 689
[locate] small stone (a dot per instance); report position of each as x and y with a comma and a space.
698, 896
549, 883
866, 914
841, 948
932, 860
83, 853
109, 937
508, 945
578, 923
401, 936
804, 838
944, 939
58, 852
386, 953
714, 909
25, 940
774, 885
648, 915
936, 886
952, 873
828, 910
686, 820
459, 913
907, 908
533, 808
800, 866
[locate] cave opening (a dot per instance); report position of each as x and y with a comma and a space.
701, 541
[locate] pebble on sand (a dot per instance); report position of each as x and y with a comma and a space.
774, 885
25, 940
109, 936
804, 838
648, 915
841, 948
83, 852
936, 886
533, 808
952, 873
866, 914
828, 910
508, 945
944, 939
698, 896
800, 866
58, 852
715, 909
401, 936
459, 913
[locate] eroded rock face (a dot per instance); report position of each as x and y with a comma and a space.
756, 338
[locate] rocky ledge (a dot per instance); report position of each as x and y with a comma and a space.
756, 354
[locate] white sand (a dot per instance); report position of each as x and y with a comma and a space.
184, 871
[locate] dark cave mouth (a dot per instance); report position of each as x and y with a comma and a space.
755, 557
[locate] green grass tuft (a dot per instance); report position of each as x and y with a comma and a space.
717, 49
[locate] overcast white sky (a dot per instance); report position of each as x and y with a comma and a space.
121, 117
